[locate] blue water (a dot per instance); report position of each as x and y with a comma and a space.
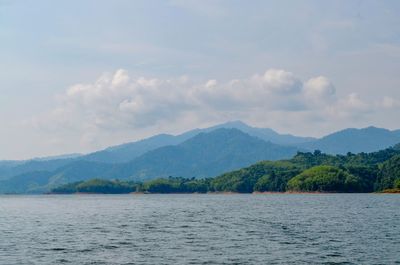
200, 229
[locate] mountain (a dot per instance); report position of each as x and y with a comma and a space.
129, 151
10, 163
349, 140
352, 140
196, 153
310, 172
9, 168
369, 172
39, 181
32, 182
6, 167
203, 155
13, 169
265, 134
57, 157
115, 154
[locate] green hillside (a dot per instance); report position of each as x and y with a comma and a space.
305, 172
204, 155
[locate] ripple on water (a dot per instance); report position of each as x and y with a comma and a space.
200, 229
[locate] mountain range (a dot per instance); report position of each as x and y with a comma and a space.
196, 153
129, 151
352, 140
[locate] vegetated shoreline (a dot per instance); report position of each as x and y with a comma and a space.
305, 173
389, 191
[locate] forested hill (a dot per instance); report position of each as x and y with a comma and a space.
129, 151
364, 172
204, 155
197, 153
306, 172
368, 139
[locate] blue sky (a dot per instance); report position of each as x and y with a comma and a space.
77, 76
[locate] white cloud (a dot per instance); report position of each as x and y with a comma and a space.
280, 81
319, 91
390, 103
351, 107
117, 102
119, 79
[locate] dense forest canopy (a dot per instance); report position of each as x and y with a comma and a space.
389, 174
305, 172
98, 186
325, 179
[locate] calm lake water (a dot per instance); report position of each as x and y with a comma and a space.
200, 229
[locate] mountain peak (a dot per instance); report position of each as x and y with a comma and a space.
369, 129
373, 128
235, 123
355, 140
220, 135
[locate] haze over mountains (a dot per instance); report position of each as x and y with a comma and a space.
369, 139
198, 153
129, 151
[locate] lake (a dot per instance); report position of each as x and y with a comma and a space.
200, 229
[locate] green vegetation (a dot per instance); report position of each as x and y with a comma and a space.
305, 172
97, 186
325, 179
389, 174
161, 185
176, 185
263, 176
315, 171
391, 191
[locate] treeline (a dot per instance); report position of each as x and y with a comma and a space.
318, 172
97, 186
306, 172
161, 185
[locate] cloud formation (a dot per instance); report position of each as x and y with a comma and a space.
275, 98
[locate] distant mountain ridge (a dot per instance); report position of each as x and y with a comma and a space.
129, 151
204, 155
353, 140
196, 153
265, 134
56, 157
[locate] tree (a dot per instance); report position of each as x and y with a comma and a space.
325, 179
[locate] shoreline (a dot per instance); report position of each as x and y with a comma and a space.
219, 193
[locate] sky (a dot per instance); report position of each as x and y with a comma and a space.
78, 76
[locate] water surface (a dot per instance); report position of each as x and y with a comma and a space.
200, 229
